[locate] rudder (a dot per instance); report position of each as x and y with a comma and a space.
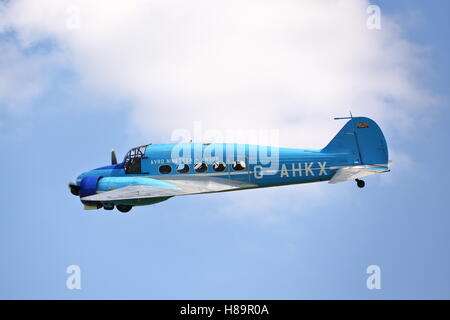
363, 138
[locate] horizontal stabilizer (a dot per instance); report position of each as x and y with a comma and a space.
357, 172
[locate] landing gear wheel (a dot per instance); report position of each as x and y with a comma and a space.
360, 183
108, 207
123, 208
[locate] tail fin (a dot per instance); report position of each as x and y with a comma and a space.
363, 138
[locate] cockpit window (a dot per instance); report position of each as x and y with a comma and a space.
132, 160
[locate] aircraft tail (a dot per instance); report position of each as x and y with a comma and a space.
362, 137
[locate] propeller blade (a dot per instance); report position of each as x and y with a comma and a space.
74, 189
113, 157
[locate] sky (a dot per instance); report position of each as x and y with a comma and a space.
77, 79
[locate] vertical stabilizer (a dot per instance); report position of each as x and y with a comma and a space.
362, 137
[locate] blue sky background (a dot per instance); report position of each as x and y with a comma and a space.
186, 248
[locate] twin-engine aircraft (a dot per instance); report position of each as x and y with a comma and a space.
153, 173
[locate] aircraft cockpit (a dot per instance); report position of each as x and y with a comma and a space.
132, 160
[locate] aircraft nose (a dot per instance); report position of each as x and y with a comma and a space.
74, 189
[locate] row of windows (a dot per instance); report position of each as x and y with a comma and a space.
202, 167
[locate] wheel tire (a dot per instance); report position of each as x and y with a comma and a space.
123, 208
360, 183
111, 207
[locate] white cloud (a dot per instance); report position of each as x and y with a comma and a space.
23, 77
291, 65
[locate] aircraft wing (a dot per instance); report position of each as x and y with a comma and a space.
357, 172
177, 187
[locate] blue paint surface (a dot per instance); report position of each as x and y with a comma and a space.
359, 142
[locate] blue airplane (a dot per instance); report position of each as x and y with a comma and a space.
153, 173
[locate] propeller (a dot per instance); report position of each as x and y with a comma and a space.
74, 189
113, 157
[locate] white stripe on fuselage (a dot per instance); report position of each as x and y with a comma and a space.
299, 169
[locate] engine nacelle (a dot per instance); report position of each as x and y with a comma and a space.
88, 186
91, 185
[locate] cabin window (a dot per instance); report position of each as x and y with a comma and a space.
201, 167
219, 166
182, 168
165, 169
238, 165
